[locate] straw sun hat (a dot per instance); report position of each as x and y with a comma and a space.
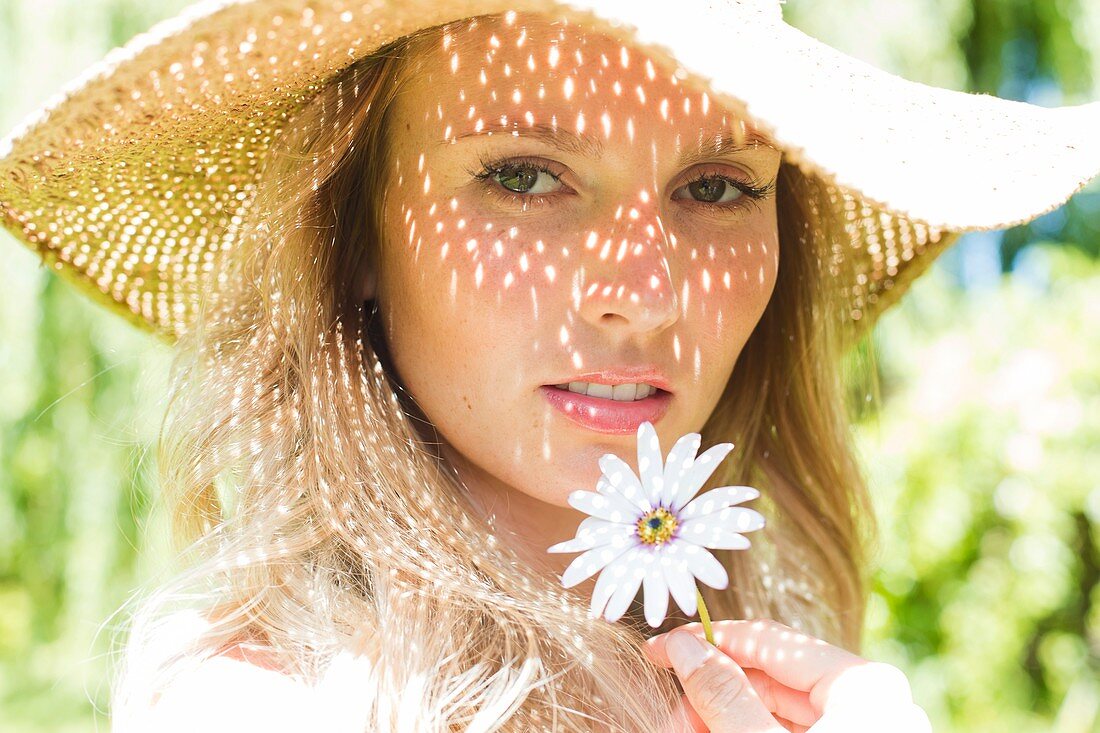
128, 182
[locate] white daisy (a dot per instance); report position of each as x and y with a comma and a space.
646, 528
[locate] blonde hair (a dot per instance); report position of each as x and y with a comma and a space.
317, 519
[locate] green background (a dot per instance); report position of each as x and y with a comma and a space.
982, 452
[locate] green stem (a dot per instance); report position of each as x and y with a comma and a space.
704, 616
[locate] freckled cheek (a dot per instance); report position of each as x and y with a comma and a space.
489, 342
475, 282
752, 265
468, 327
465, 304
729, 281
484, 257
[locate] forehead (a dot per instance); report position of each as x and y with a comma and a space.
527, 73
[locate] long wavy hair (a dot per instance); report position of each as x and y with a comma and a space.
323, 535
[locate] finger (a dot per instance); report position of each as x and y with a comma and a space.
791, 657
792, 727
782, 701
717, 688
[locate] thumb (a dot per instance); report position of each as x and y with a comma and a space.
684, 719
717, 687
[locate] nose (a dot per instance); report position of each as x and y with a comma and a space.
628, 285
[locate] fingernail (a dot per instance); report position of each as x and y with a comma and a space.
686, 653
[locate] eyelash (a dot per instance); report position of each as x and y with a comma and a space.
754, 192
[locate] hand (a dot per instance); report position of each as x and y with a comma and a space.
763, 677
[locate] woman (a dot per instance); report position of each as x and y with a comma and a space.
375, 425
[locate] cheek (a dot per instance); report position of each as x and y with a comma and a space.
729, 278
453, 247
462, 297
469, 332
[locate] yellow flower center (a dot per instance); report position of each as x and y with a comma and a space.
657, 526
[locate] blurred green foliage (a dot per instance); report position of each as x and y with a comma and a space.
984, 465
982, 452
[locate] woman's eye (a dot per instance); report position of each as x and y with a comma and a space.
527, 179
711, 190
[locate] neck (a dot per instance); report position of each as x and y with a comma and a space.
525, 523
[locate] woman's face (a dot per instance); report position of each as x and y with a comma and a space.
559, 210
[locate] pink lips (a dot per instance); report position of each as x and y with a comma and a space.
606, 415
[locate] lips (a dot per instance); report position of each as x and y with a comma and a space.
608, 416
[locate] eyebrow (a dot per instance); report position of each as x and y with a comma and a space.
716, 145
557, 137
725, 143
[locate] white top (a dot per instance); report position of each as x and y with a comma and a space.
226, 695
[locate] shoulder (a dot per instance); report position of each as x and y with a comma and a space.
243, 687
228, 692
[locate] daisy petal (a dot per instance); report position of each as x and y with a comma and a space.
637, 563
716, 500
588, 564
619, 475
734, 518
590, 523
655, 591
721, 531
679, 462
592, 532
679, 578
611, 507
724, 539
651, 471
610, 580
705, 567
699, 472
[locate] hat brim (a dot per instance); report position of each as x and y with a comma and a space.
129, 182
953, 160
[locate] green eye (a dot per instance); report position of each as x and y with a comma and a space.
525, 179
714, 190
518, 180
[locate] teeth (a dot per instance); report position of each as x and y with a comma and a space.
600, 390
626, 392
619, 392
